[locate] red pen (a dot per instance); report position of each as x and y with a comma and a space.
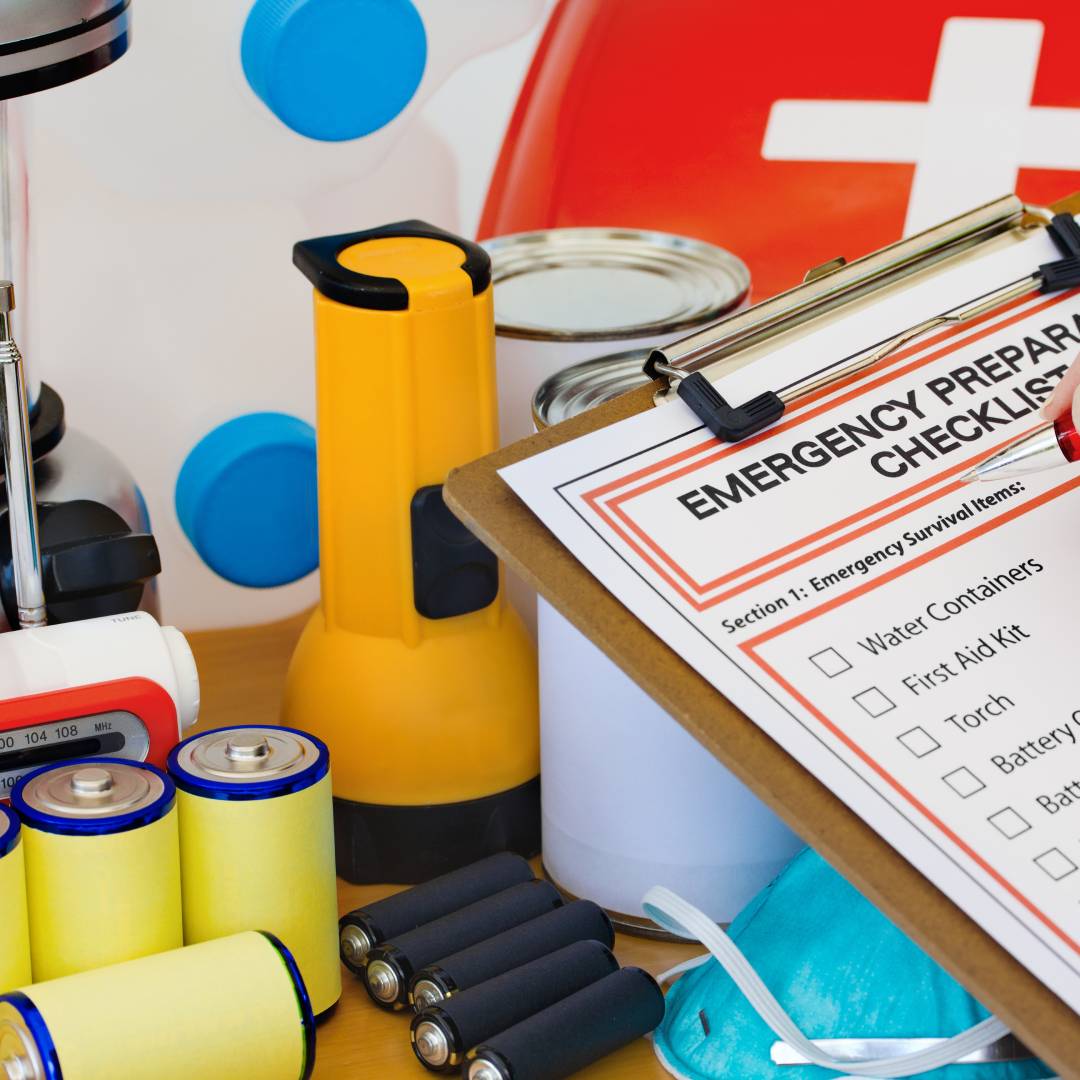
1054, 443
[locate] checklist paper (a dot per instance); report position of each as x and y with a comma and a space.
911, 639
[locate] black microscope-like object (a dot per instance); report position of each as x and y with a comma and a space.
98, 556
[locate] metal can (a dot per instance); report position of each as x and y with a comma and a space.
580, 387
102, 864
234, 1007
567, 295
257, 844
603, 741
14, 930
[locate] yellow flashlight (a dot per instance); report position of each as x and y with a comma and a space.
413, 669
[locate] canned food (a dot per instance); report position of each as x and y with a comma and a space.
257, 844
14, 931
102, 864
603, 740
582, 386
565, 295
234, 1007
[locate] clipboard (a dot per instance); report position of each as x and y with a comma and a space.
478, 496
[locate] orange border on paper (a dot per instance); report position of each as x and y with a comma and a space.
750, 649
684, 584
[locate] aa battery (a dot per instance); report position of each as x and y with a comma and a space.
234, 1007
393, 964
257, 844
581, 920
442, 1034
573, 1033
14, 931
102, 864
366, 927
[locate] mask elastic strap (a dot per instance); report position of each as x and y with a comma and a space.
677, 916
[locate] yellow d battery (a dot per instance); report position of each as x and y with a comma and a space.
102, 864
257, 844
233, 1008
14, 931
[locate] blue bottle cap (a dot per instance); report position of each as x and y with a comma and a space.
334, 69
246, 499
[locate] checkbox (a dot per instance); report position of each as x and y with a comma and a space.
1055, 863
874, 702
919, 741
829, 662
964, 782
1009, 823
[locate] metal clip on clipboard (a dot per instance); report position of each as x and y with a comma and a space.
833, 284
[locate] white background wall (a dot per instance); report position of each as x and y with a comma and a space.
165, 202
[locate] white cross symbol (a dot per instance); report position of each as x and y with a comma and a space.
967, 142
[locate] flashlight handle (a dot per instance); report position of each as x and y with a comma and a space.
405, 392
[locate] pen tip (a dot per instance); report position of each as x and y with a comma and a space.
971, 475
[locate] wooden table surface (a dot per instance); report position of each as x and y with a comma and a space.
242, 672
361, 1042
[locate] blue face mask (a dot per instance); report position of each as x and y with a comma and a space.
834, 964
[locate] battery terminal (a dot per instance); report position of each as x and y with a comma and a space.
91, 783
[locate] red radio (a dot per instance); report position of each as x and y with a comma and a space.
119, 686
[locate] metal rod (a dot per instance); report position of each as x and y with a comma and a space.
964, 314
822, 294
19, 472
15, 219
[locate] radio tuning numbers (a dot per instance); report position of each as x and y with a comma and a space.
109, 734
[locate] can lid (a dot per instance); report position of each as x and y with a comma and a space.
91, 796
604, 284
583, 386
249, 762
27, 1051
9, 830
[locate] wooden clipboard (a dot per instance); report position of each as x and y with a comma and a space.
482, 500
